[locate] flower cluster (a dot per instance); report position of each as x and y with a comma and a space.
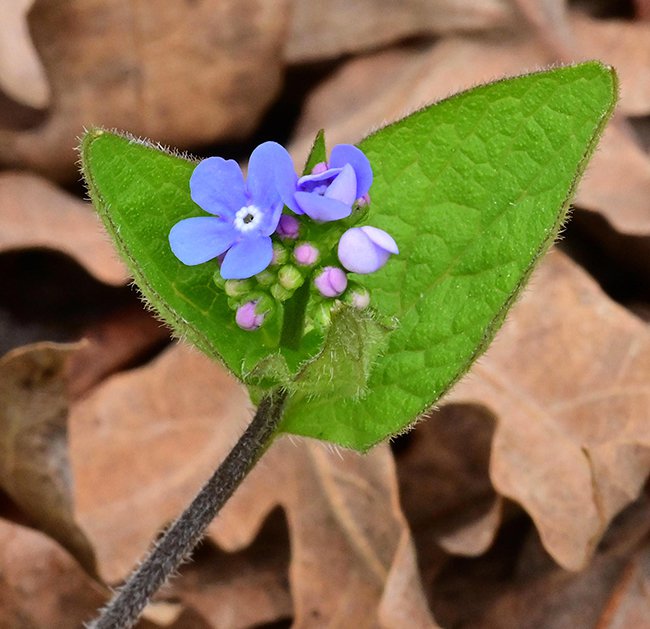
265, 255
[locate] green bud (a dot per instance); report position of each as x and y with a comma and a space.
266, 278
280, 293
357, 296
238, 288
290, 277
280, 254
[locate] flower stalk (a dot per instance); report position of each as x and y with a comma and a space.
180, 539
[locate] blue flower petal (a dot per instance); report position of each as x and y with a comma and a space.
330, 173
199, 239
343, 154
344, 187
247, 258
261, 182
271, 174
271, 219
217, 186
322, 208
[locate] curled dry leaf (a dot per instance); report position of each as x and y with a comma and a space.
170, 422
352, 555
327, 30
34, 466
611, 593
22, 76
371, 91
183, 73
568, 379
444, 482
35, 213
40, 584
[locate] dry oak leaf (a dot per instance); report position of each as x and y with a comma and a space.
370, 91
444, 480
22, 76
353, 561
41, 586
183, 73
611, 593
569, 380
34, 465
168, 424
35, 213
327, 30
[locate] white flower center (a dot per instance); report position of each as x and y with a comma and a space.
248, 218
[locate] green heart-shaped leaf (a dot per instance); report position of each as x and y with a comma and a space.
474, 190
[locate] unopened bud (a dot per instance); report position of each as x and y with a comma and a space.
290, 277
288, 227
280, 254
331, 282
266, 278
237, 288
247, 317
306, 254
280, 292
357, 296
319, 168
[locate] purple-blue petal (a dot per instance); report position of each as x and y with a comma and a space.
247, 258
330, 173
343, 154
269, 222
199, 239
261, 182
271, 161
380, 238
217, 186
322, 208
344, 187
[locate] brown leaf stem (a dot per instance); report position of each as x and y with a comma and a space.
177, 543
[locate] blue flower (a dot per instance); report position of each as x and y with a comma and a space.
245, 214
329, 192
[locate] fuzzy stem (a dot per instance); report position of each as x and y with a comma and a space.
175, 546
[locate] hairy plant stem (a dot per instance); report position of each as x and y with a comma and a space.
175, 546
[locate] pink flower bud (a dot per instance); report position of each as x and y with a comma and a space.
247, 318
319, 168
331, 282
288, 227
306, 254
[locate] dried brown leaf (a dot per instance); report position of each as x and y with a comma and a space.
182, 73
142, 443
444, 482
41, 586
35, 213
34, 466
568, 379
629, 604
22, 76
351, 549
326, 30
601, 596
